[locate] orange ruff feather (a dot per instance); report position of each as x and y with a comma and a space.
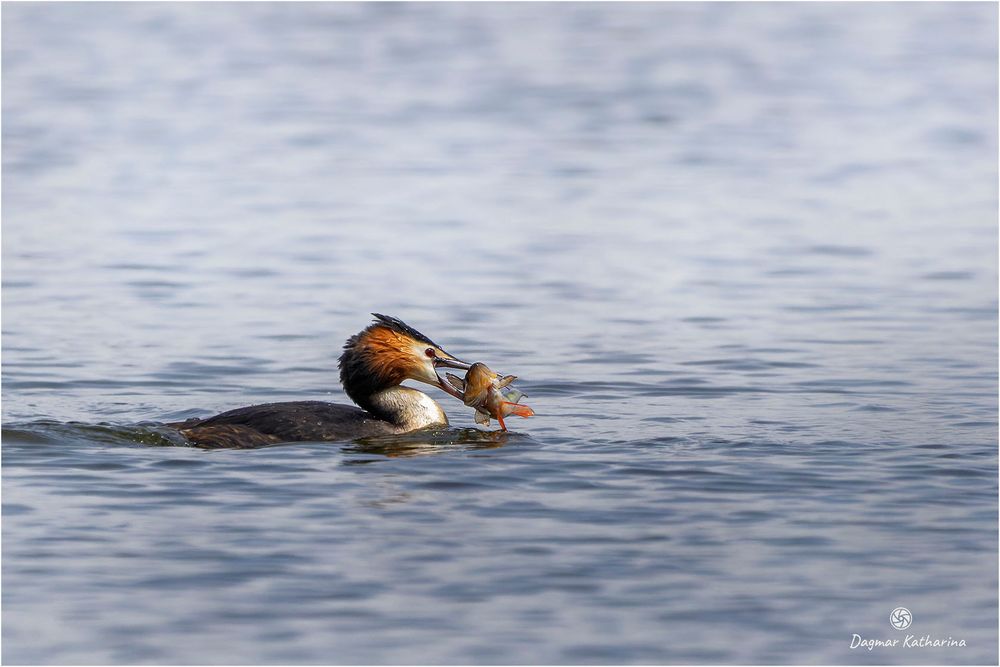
388, 353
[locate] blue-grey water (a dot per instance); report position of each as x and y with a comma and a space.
743, 258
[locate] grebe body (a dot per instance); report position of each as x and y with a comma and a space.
374, 363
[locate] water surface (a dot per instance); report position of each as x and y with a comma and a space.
742, 257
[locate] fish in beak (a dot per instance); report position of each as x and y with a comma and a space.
444, 360
490, 394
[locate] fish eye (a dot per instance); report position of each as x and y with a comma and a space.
430, 352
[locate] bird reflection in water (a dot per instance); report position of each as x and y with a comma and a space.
424, 442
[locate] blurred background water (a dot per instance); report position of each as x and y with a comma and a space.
743, 257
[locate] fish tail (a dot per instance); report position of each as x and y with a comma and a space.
519, 410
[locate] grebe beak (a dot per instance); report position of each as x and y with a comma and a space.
449, 362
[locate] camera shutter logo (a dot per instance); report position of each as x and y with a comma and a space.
901, 618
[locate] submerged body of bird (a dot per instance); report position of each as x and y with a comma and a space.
490, 394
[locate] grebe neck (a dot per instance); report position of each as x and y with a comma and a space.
375, 388
407, 409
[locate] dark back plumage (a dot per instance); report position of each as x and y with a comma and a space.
265, 424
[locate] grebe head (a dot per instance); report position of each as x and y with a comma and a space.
388, 352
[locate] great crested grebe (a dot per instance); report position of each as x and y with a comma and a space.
374, 362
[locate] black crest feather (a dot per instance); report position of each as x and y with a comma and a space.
402, 327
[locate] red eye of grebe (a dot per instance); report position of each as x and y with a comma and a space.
430, 352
